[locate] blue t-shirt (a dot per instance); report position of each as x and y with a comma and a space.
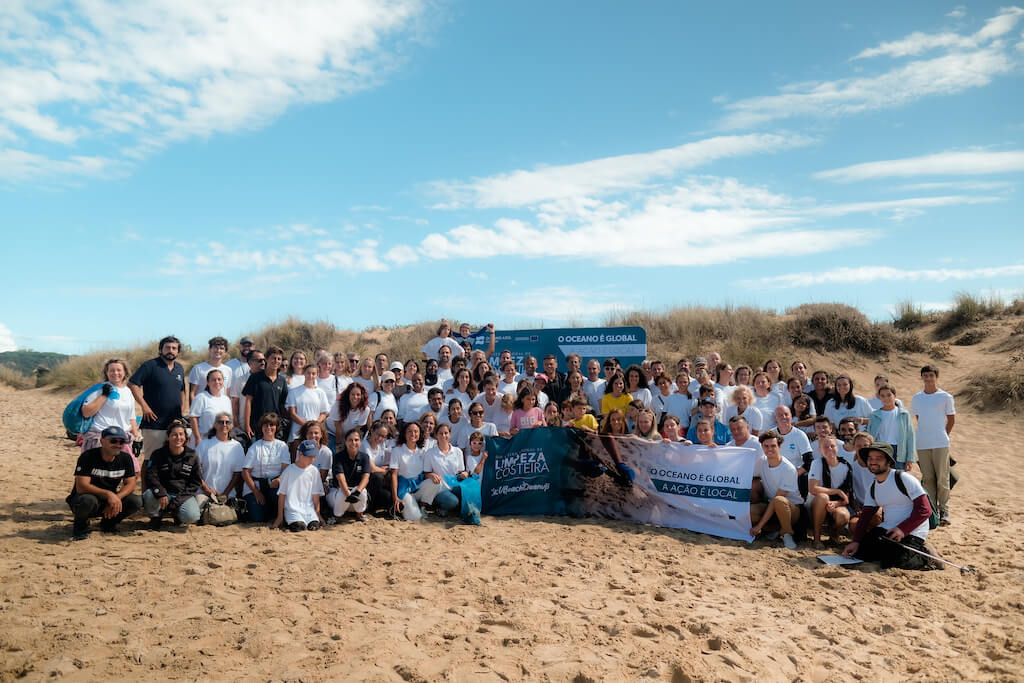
161, 387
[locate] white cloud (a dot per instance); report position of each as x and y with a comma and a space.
863, 274
6, 339
606, 175
945, 163
140, 75
562, 304
968, 185
401, 255
970, 61
958, 12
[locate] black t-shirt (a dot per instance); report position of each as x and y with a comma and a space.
102, 474
354, 469
161, 387
265, 396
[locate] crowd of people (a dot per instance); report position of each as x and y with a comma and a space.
301, 444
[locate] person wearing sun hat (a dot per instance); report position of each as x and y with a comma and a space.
905, 508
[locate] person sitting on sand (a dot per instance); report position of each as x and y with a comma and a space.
104, 485
173, 478
830, 488
905, 513
778, 476
298, 496
350, 478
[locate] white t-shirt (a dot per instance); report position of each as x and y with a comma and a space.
542, 399
491, 410
412, 406
332, 386
119, 412
355, 418
471, 460
594, 391
782, 477
433, 347
862, 479
752, 414
503, 421
861, 408
444, 464
681, 406
658, 401
265, 460
238, 379
366, 384
380, 455
237, 365
408, 463
205, 407
324, 459
895, 506
643, 394
463, 397
751, 443
507, 387
197, 375
931, 411
767, 405
460, 437
444, 378
837, 473
889, 425
219, 461
308, 403
381, 401
299, 485
793, 447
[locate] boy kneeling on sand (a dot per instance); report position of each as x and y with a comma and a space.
299, 491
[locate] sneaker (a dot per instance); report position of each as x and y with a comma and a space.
787, 540
313, 526
297, 526
360, 517
108, 526
331, 521
80, 531
771, 535
944, 519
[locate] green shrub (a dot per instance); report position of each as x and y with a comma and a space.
907, 315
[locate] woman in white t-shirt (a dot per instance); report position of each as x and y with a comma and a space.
406, 465
743, 376
295, 374
428, 425
766, 400
220, 457
462, 389
351, 410
774, 371
111, 405
205, 406
306, 403
742, 400
636, 385
803, 413
844, 403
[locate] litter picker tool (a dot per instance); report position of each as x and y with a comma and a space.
966, 569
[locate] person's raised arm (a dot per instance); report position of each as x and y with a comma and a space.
490, 346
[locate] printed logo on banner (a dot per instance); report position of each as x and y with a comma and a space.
526, 474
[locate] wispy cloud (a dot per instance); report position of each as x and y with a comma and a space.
138, 76
864, 274
945, 163
598, 177
6, 339
970, 61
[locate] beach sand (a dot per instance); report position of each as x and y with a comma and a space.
533, 598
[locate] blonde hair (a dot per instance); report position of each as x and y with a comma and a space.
508, 402
741, 389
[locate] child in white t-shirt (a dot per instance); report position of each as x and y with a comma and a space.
300, 490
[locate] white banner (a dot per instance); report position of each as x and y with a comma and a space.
685, 487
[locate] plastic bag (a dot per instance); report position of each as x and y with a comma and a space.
73, 420
411, 509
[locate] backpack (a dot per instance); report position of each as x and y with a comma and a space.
847, 484
933, 519
73, 420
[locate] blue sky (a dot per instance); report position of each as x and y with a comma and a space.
200, 168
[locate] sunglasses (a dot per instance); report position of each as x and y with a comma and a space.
475, 412
118, 442
223, 422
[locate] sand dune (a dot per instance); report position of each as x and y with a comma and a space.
542, 599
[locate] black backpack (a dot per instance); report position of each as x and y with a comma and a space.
933, 520
847, 485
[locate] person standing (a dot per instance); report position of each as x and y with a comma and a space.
266, 392
935, 414
245, 348
159, 388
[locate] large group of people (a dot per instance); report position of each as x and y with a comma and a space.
301, 444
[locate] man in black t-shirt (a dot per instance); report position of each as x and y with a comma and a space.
104, 485
159, 387
265, 392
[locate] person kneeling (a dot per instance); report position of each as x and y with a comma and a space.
351, 476
779, 478
905, 512
104, 485
299, 493
173, 477
830, 484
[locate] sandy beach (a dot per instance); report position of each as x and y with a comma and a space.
516, 599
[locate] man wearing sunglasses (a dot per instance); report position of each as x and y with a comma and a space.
104, 485
257, 361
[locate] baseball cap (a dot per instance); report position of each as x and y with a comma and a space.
395, 365
113, 432
388, 375
700, 360
707, 402
309, 447
540, 375
246, 340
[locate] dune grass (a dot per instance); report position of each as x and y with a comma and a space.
15, 379
999, 389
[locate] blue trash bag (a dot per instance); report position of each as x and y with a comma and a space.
73, 420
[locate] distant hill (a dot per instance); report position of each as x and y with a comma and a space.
26, 362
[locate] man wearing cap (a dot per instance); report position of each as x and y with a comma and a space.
905, 512
159, 388
104, 485
245, 349
384, 399
699, 363
299, 491
707, 410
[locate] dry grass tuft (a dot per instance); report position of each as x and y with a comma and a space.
293, 334
80, 372
15, 379
907, 316
967, 310
999, 389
